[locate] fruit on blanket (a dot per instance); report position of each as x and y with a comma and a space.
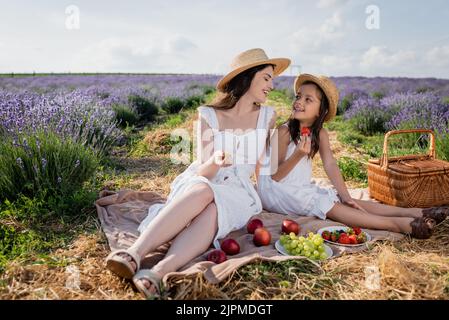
262, 237
305, 131
230, 246
350, 236
326, 235
253, 225
290, 226
311, 247
217, 256
352, 239
344, 239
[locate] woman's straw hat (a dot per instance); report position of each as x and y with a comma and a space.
249, 59
328, 87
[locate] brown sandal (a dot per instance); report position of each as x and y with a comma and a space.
422, 227
438, 214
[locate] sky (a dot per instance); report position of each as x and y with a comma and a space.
402, 38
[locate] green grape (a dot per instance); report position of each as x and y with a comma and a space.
301, 239
287, 246
292, 235
323, 256
310, 234
316, 254
321, 248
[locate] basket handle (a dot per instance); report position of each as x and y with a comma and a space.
384, 158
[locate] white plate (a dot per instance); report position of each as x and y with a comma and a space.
282, 250
334, 228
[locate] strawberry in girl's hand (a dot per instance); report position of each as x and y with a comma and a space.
305, 131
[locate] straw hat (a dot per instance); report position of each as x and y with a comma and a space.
249, 59
328, 87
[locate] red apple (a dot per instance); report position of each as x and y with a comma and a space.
290, 226
217, 256
230, 246
253, 225
262, 237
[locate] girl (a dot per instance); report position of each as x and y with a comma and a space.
214, 195
290, 191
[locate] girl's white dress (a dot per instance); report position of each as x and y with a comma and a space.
235, 195
296, 193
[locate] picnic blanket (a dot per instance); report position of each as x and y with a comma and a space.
121, 212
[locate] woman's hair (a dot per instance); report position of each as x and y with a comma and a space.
236, 88
293, 124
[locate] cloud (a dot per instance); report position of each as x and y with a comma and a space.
438, 56
331, 3
312, 39
152, 53
380, 56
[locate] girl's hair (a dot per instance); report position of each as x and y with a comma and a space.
293, 124
236, 88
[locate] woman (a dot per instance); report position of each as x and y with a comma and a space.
290, 189
214, 195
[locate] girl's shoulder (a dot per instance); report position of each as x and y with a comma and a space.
323, 134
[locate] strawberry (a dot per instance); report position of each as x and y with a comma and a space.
305, 131
353, 239
357, 230
344, 239
334, 237
326, 235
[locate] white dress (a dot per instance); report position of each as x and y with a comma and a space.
235, 195
296, 193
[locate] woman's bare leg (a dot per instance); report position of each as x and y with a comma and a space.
172, 219
357, 218
389, 211
190, 243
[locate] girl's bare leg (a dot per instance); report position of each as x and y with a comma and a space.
357, 218
389, 211
190, 243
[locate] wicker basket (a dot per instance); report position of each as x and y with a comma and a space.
418, 181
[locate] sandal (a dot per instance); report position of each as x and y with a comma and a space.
153, 277
422, 227
120, 265
438, 214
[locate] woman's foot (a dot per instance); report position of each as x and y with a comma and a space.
147, 281
438, 214
124, 263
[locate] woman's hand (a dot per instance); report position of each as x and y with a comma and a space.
304, 146
222, 159
351, 203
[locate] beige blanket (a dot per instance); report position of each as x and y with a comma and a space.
121, 213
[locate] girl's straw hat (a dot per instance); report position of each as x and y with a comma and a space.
328, 87
249, 59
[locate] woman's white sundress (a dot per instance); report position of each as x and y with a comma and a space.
296, 193
235, 195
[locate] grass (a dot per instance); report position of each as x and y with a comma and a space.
408, 269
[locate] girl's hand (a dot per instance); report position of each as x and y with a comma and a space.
304, 146
222, 159
351, 203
